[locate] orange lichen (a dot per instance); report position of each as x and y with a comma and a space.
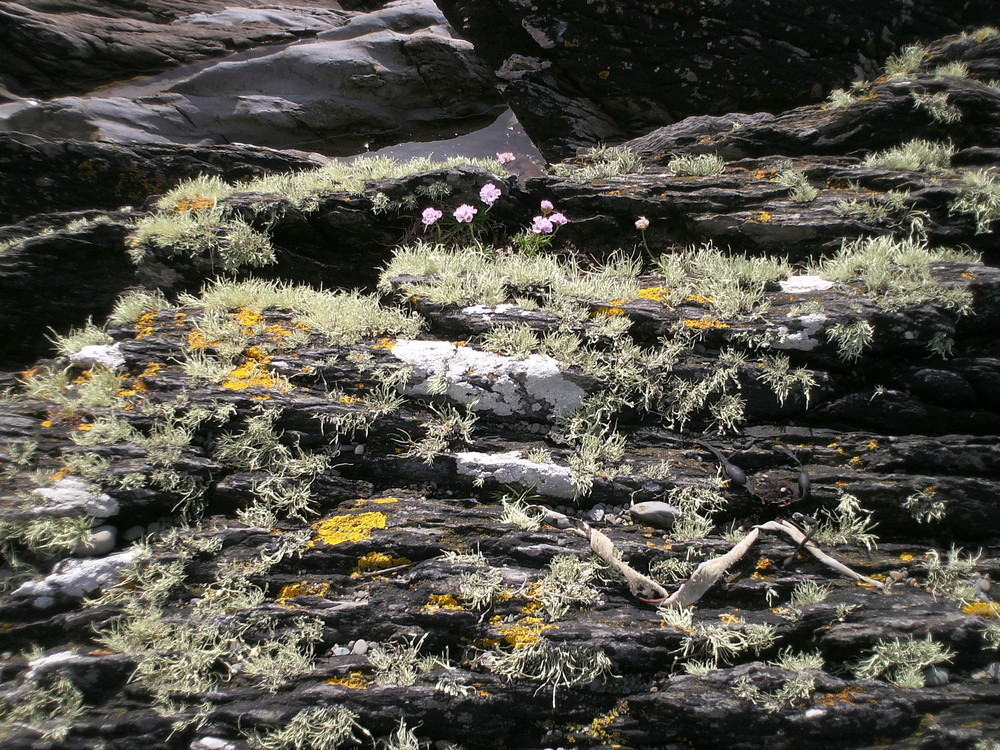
144, 325
46, 423
437, 602
906, 556
57, 475
248, 319
842, 696
983, 609
525, 632
760, 217
85, 427
347, 528
384, 343
253, 373
378, 561
303, 588
728, 619
195, 204
655, 293
967, 275
702, 324
353, 681
872, 445
604, 75
608, 311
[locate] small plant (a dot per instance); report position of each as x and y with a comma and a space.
480, 588
78, 338
925, 507
950, 577
799, 189
851, 338
681, 618
902, 662
778, 373
319, 728
568, 584
133, 305
600, 163
49, 710
401, 664
553, 666
980, 199
806, 593
402, 738
918, 155
703, 165
796, 688
697, 505
906, 61
515, 512
721, 643
954, 69
517, 341
849, 523
798, 661
937, 106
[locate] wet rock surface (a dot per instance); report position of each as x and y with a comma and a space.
581, 74
326, 467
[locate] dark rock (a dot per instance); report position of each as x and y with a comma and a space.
576, 75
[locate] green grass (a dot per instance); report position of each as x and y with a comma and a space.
918, 155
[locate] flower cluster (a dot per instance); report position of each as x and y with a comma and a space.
549, 220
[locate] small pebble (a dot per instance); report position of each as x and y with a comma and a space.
341, 651
655, 513
102, 541
133, 532
595, 514
936, 676
359, 450
360, 647
212, 743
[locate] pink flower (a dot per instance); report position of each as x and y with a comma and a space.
558, 219
541, 225
489, 193
547, 208
642, 223
464, 213
505, 158
430, 216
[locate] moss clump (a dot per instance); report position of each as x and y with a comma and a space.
347, 528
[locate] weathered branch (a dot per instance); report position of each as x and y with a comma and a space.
798, 537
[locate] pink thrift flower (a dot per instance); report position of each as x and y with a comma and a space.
558, 219
430, 216
541, 225
547, 208
464, 213
505, 158
489, 193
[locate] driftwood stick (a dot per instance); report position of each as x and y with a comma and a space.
798, 537
710, 571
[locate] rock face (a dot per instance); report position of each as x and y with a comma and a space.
52, 48
386, 76
577, 74
708, 459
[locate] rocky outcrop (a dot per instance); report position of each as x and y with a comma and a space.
54, 48
579, 74
746, 372
365, 79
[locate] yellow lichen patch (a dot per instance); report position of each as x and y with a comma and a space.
276, 332
441, 601
85, 427
531, 607
598, 729
760, 217
353, 681
302, 588
144, 325
728, 619
701, 324
906, 556
345, 399
347, 528
762, 564
384, 343
856, 461
608, 311
983, 609
843, 696
196, 340
253, 373
57, 475
525, 632
378, 500
655, 293
968, 276
872, 445
378, 561
248, 319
